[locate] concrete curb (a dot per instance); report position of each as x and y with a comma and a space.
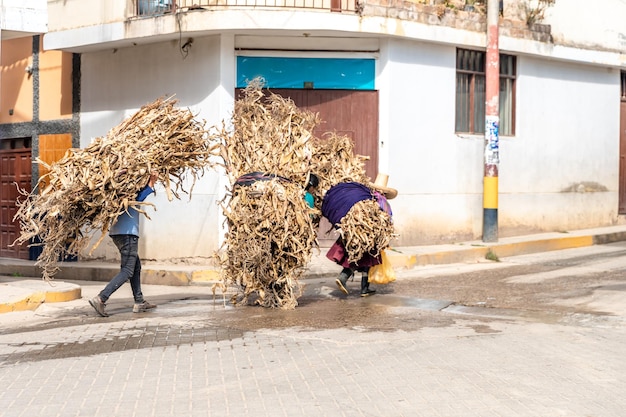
27, 294
502, 250
20, 295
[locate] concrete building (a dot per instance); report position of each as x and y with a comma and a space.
38, 117
404, 79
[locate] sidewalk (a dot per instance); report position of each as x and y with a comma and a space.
23, 288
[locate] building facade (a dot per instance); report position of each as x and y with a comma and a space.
38, 109
405, 80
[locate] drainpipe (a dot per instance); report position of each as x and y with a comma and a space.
492, 123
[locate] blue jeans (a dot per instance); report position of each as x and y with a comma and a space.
130, 268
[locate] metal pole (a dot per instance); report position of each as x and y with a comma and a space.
492, 123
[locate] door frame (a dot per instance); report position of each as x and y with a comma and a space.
622, 147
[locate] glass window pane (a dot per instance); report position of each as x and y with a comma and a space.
479, 104
506, 65
479, 64
462, 102
506, 107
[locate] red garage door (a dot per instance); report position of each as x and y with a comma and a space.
348, 112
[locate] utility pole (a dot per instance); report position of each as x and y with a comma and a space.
492, 124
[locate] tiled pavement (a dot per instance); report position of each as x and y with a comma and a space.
505, 369
188, 358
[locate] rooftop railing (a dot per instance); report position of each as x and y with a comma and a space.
160, 7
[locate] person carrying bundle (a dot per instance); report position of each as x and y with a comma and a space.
125, 235
337, 203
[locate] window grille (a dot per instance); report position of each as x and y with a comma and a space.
471, 92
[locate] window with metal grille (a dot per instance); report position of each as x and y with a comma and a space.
471, 91
623, 86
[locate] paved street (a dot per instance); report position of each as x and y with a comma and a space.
535, 335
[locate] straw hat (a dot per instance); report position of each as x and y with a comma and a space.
381, 185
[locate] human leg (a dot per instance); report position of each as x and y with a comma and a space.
135, 282
342, 280
128, 247
365, 284
141, 304
127, 266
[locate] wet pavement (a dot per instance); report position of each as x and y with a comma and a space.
536, 335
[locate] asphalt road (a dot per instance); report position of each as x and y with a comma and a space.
534, 335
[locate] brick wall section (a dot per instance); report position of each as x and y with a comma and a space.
459, 19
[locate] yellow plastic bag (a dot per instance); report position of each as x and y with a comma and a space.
382, 273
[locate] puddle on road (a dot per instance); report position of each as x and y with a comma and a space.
200, 320
412, 302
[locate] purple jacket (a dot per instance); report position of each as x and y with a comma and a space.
341, 197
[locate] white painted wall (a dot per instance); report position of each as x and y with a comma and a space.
566, 142
597, 24
67, 14
23, 16
567, 137
437, 173
115, 84
579, 23
559, 172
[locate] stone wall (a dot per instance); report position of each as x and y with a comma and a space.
455, 17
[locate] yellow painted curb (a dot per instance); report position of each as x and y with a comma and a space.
545, 245
37, 297
165, 277
401, 260
472, 254
29, 303
206, 276
62, 296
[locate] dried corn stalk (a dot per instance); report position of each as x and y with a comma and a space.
89, 188
270, 227
270, 236
366, 229
334, 162
271, 135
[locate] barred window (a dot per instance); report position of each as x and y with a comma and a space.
471, 92
623, 85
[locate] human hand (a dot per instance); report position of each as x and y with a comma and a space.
154, 176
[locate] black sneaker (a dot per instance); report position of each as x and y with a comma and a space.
141, 307
98, 305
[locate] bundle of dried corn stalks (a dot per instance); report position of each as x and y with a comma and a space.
334, 161
270, 227
270, 237
89, 188
271, 135
366, 229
